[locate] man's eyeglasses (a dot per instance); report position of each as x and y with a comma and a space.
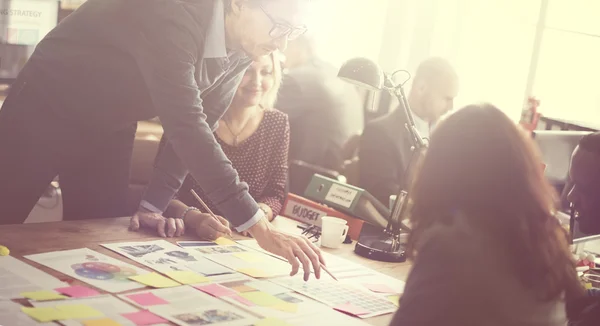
280, 30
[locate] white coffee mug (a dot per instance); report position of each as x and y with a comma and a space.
333, 231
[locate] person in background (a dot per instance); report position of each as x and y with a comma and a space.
324, 111
486, 247
74, 108
583, 188
255, 137
384, 151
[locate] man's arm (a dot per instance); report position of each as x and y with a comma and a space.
378, 165
169, 73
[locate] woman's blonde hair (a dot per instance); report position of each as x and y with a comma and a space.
480, 163
269, 98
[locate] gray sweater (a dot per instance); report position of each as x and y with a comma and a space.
462, 278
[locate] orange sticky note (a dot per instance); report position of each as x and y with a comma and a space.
101, 322
154, 280
187, 277
224, 241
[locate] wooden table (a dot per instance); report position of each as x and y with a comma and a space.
33, 238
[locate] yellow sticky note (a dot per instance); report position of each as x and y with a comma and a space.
44, 314
253, 272
154, 280
262, 299
224, 241
101, 322
4, 251
394, 299
78, 311
43, 295
271, 322
286, 307
250, 257
588, 286
187, 277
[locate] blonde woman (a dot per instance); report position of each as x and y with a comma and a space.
255, 138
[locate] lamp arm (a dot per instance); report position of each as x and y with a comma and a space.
418, 147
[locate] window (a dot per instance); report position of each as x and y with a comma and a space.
566, 81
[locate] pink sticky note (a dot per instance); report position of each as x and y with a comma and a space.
351, 309
144, 317
147, 299
380, 288
243, 300
216, 290
77, 291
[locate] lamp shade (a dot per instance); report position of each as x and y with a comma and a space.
362, 72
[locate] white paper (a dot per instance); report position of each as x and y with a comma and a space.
94, 268
11, 315
110, 306
214, 315
180, 296
334, 293
341, 195
325, 318
27, 21
17, 277
163, 257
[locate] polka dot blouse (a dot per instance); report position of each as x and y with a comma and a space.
261, 161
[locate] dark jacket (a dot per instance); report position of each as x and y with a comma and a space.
114, 62
324, 112
384, 154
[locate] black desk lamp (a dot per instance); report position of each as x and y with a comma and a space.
384, 245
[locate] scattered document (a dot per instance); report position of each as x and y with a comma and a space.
106, 273
11, 314
214, 315
17, 277
164, 257
109, 306
182, 296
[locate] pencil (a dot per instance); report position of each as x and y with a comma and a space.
328, 272
203, 204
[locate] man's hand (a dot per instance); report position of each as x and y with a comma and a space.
294, 248
206, 226
165, 227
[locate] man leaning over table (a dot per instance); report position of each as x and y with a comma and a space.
74, 108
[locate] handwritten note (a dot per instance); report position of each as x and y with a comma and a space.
224, 241
77, 291
187, 277
154, 280
341, 195
147, 299
43, 295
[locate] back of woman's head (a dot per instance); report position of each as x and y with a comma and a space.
481, 164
